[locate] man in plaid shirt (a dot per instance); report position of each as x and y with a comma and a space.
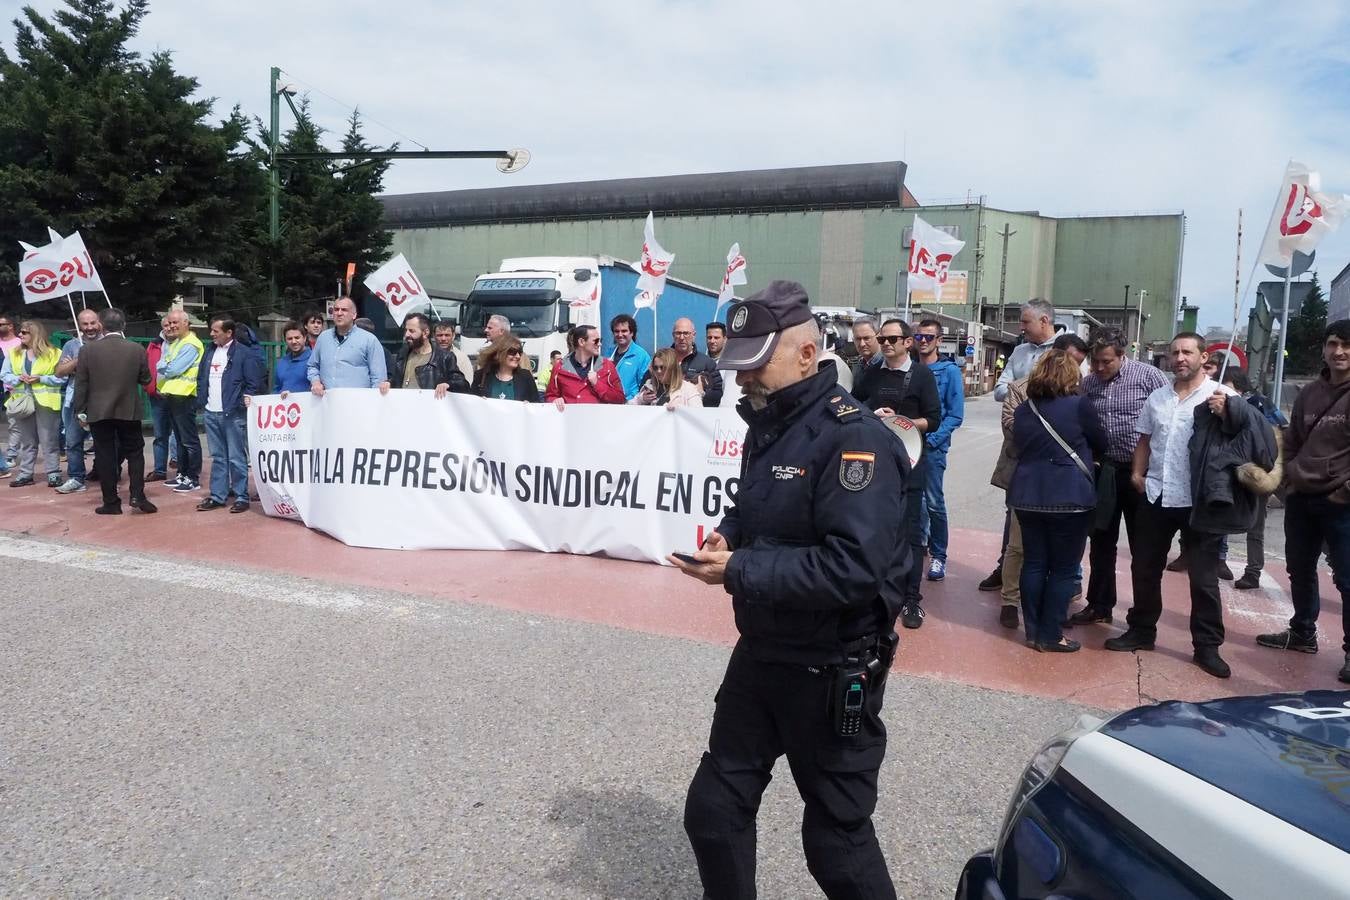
1119, 387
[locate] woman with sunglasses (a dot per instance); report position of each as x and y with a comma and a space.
30, 368
501, 375
665, 384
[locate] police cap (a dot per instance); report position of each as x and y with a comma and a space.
755, 323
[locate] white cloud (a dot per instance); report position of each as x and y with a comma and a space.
1058, 106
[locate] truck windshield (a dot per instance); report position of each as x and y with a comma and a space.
532, 313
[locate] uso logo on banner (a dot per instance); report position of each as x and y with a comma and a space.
279, 416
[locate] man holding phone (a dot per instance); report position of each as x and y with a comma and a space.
815, 578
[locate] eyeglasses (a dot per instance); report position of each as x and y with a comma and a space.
891, 338
684, 334
925, 338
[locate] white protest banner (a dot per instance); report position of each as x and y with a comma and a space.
408, 471
1303, 216
735, 274
655, 262
930, 256
60, 267
397, 288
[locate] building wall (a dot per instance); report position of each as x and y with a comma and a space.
1338, 298
847, 257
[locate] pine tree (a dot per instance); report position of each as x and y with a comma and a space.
1304, 343
95, 138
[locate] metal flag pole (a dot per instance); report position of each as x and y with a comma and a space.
73, 317
1237, 300
1284, 332
106, 299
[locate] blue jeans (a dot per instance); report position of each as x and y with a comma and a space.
227, 437
935, 506
182, 413
1052, 551
1310, 520
75, 435
165, 442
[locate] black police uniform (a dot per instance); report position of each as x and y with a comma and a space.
815, 577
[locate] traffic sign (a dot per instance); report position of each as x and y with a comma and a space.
970, 350
970, 342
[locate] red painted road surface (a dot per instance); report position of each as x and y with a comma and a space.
960, 641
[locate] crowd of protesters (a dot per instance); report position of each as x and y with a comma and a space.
1092, 439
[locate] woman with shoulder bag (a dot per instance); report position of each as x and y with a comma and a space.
34, 404
1053, 493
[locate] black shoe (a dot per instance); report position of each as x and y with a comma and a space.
1130, 640
1007, 617
994, 582
1249, 581
239, 506
1208, 658
1288, 640
1064, 646
1224, 572
22, 481
1344, 674
1178, 564
208, 504
109, 509
155, 476
1090, 615
144, 506
91, 475
911, 615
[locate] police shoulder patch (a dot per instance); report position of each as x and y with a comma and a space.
856, 468
842, 408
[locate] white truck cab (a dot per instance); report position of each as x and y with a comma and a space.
542, 296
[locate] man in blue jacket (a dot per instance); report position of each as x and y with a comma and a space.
952, 397
290, 374
629, 358
232, 372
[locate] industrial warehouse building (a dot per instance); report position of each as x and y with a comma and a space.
842, 231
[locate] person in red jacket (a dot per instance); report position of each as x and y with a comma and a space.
584, 376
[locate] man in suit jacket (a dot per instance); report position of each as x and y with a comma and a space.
107, 375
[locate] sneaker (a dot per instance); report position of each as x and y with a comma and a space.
22, 481
54, 481
937, 570
1288, 640
1249, 581
173, 482
1089, 615
994, 581
1178, 564
1130, 640
911, 615
6, 473
1224, 572
72, 486
1007, 617
1208, 658
186, 486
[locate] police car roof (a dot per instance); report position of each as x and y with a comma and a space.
1287, 754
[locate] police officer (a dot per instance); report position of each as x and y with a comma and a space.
813, 556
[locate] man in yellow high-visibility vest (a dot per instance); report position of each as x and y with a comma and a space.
176, 383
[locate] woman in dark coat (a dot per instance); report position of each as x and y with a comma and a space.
501, 376
1053, 494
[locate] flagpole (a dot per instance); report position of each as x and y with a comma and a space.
1237, 300
106, 299
1284, 332
73, 317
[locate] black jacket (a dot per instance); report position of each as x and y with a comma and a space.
912, 394
526, 390
696, 364
1219, 503
819, 551
440, 369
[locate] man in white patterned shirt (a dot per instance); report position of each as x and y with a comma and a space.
1161, 471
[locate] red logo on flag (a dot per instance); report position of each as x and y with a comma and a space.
1299, 211
656, 268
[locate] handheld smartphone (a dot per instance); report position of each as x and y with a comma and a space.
685, 558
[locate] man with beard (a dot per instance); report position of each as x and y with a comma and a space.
421, 363
813, 555
695, 365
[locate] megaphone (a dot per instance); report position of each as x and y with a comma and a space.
909, 435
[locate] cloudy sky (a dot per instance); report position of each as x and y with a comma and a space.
1063, 107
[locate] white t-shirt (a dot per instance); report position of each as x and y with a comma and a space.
1169, 421
214, 400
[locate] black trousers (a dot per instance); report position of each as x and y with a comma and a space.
1101, 587
114, 441
913, 532
1155, 527
764, 711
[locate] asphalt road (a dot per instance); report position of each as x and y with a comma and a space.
170, 728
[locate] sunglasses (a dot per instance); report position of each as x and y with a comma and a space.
891, 338
24, 331
658, 368
513, 352
925, 338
